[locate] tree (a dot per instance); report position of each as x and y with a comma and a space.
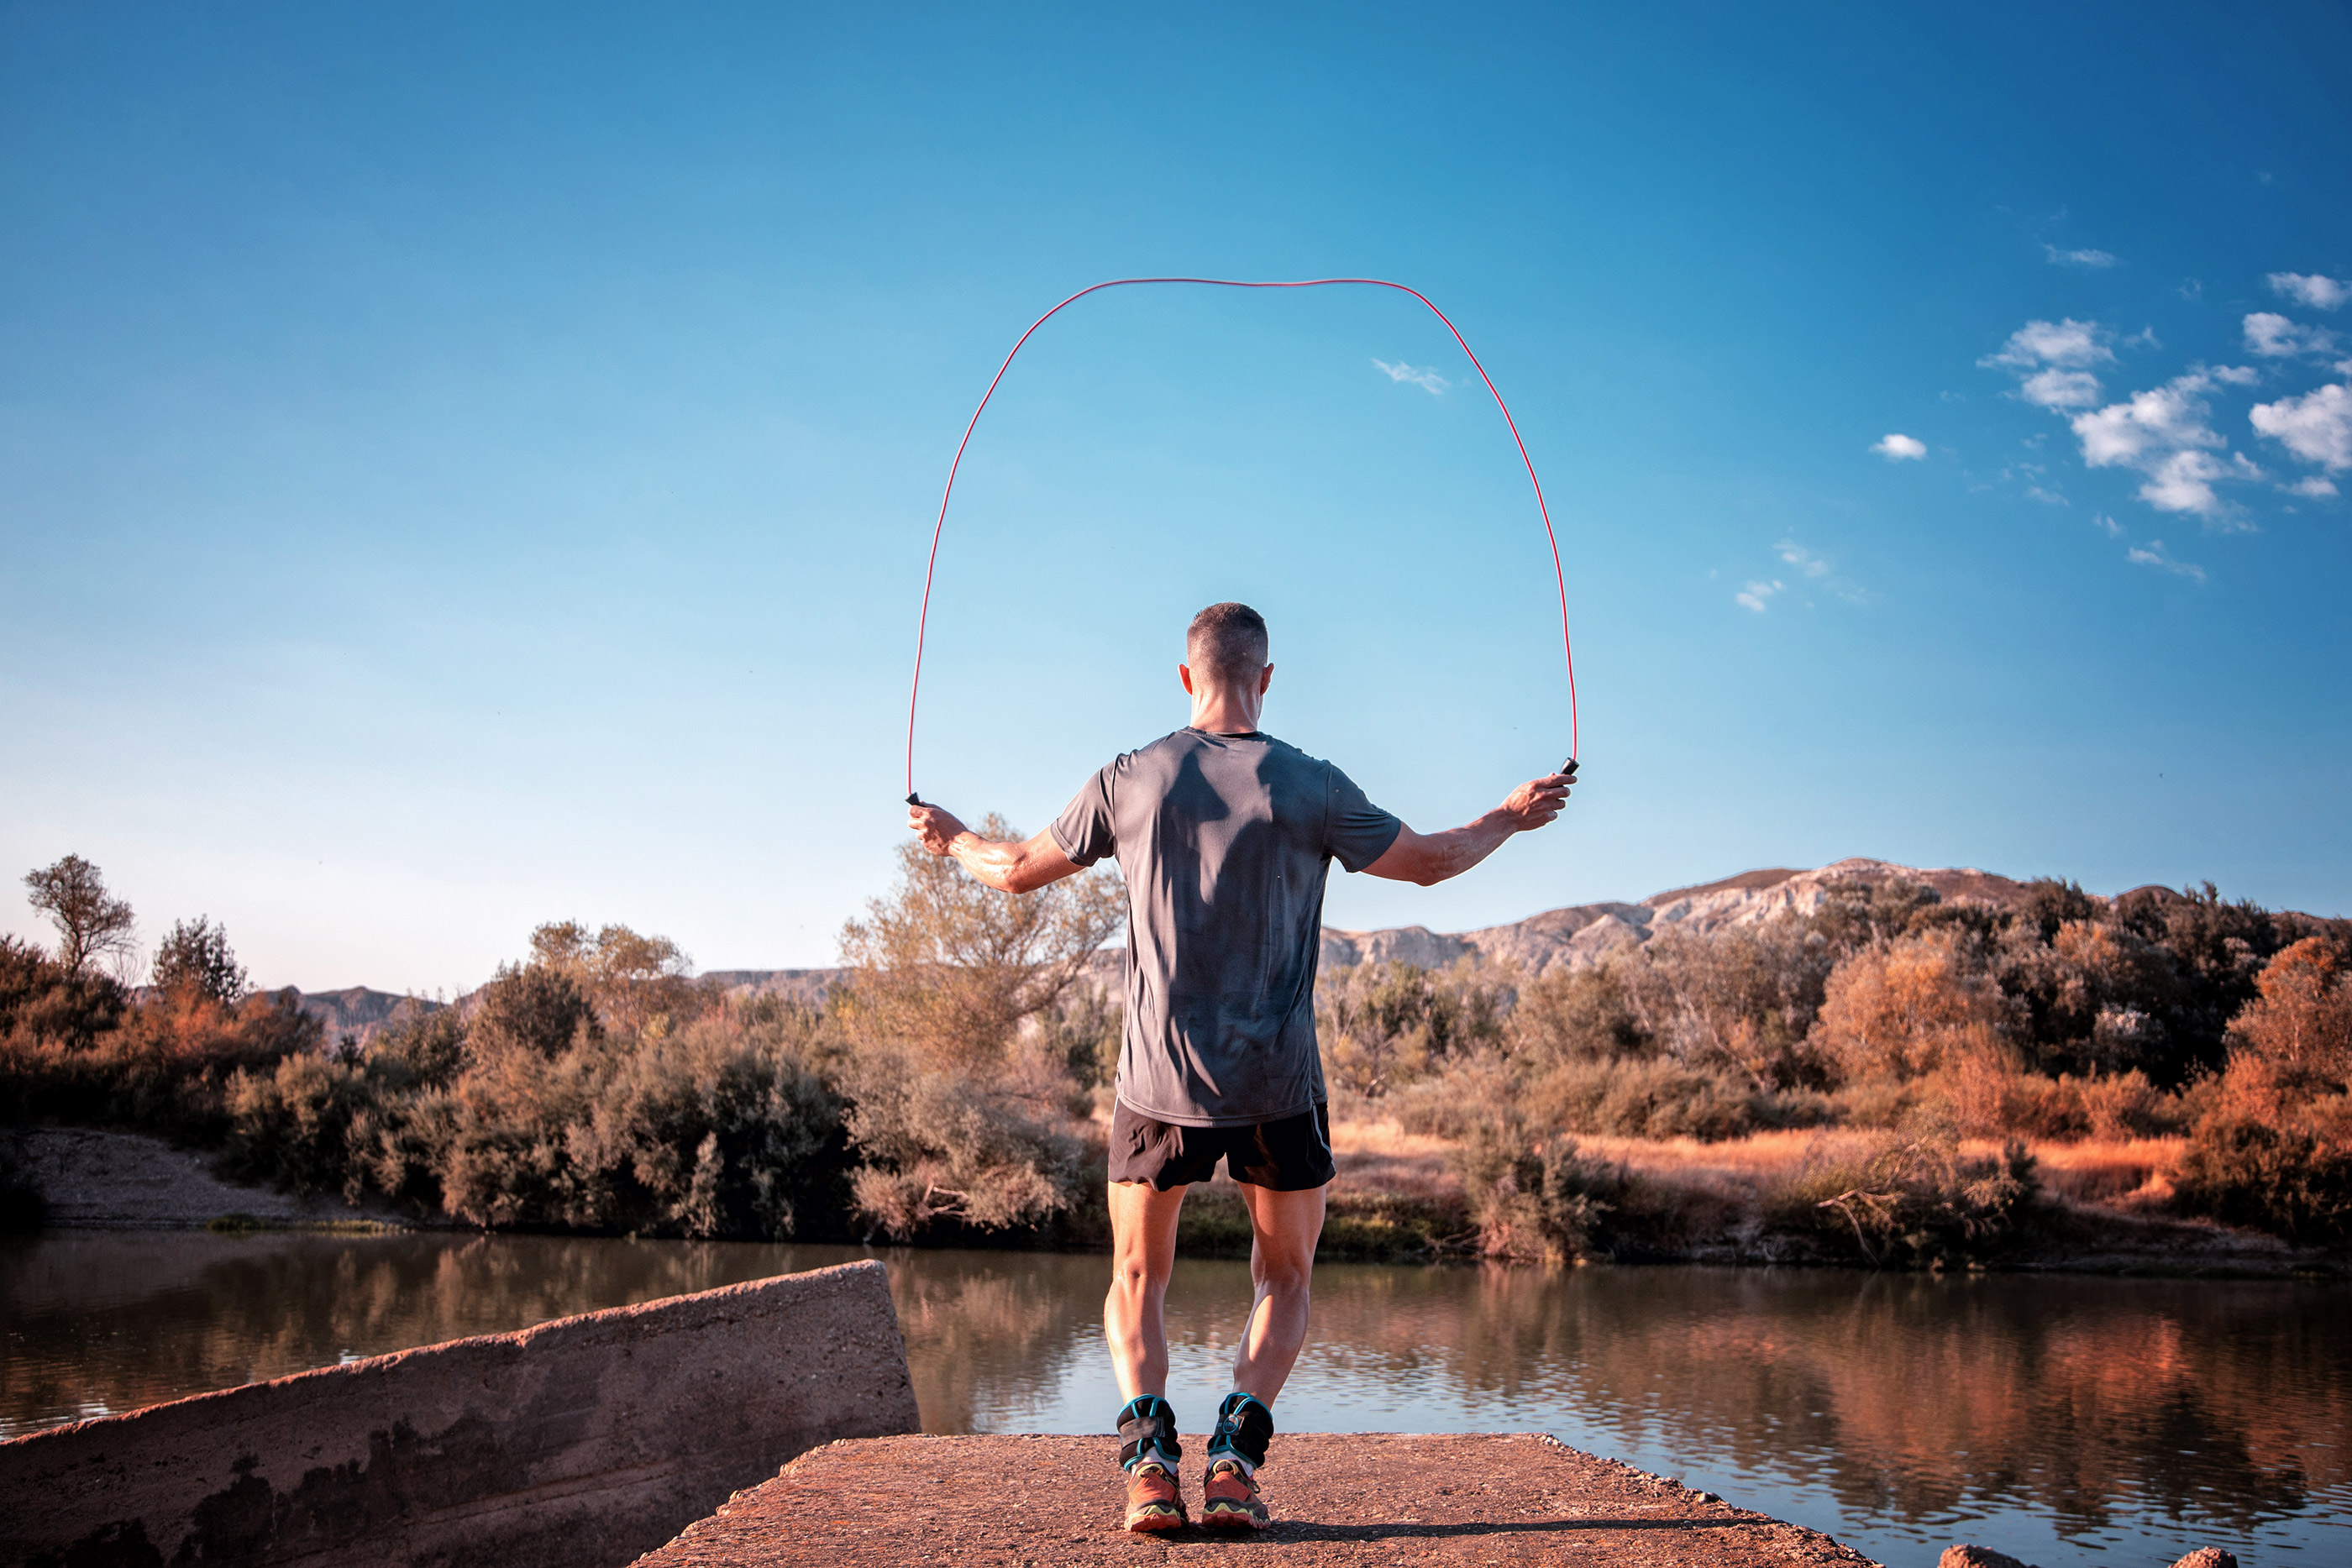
959, 1079
951, 968
1907, 1010
196, 959
2302, 1021
632, 979
91, 923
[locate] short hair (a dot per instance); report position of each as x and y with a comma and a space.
1227, 642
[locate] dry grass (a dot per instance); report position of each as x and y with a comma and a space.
2132, 1172
1381, 1156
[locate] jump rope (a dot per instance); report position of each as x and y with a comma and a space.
931, 568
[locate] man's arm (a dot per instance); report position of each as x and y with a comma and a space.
1429, 858
1007, 867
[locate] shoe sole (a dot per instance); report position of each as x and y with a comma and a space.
1234, 1518
1155, 1523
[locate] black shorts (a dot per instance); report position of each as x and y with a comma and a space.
1293, 1154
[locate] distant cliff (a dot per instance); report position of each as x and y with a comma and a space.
1584, 934
1577, 935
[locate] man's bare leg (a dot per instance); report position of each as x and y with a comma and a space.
1143, 1256
1286, 1227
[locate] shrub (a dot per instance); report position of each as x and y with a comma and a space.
2284, 1180
938, 1144
1908, 1009
1540, 1200
196, 957
165, 1067
43, 1002
1910, 1199
426, 1051
291, 1125
532, 1009
1579, 1015
2301, 1021
1637, 1099
950, 969
1381, 1026
716, 1130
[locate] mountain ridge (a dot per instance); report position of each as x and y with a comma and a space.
1577, 935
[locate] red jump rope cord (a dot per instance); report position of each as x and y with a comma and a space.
1558, 577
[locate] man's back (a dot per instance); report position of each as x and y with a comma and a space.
1224, 841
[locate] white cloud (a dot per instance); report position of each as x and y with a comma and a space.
2069, 343
2312, 289
2168, 416
2236, 375
2163, 433
2052, 360
2060, 389
2315, 427
2316, 488
1429, 380
2183, 482
1897, 447
2276, 337
2154, 554
2106, 524
2094, 259
2047, 497
1803, 559
1756, 593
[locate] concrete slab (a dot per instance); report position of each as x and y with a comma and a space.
579, 1443
1002, 1501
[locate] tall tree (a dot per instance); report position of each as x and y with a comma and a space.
195, 957
91, 923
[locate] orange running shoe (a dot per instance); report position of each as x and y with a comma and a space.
1230, 1500
1154, 1502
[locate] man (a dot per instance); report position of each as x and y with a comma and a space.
1224, 835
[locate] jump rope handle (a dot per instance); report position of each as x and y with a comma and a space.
1568, 770
914, 800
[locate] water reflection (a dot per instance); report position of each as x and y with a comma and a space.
2067, 1421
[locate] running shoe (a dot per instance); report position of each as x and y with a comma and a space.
1154, 1503
1231, 1499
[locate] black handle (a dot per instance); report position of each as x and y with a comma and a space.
1569, 769
913, 800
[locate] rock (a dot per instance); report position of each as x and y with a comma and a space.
1968, 1557
1342, 1500
2209, 1557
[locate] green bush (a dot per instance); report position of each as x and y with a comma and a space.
291, 1126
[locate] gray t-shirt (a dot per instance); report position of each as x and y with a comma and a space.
1225, 841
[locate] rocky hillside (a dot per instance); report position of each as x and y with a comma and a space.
360, 1012
1584, 934
1578, 936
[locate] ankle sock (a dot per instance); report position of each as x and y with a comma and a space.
1147, 1434
1244, 1426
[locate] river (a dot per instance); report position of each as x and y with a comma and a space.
2064, 1420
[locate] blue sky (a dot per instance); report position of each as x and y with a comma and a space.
467, 467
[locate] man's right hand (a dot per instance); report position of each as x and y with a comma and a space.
1431, 858
1535, 802
936, 826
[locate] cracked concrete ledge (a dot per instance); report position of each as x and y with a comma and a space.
579, 1442
1002, 1501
